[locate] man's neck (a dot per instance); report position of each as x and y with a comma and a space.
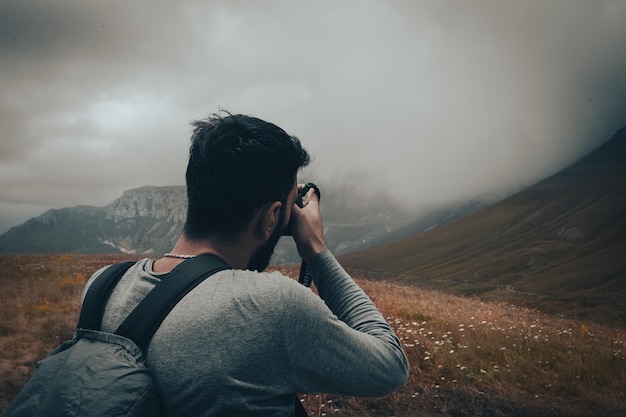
236, 254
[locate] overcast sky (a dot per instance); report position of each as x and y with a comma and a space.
431, 100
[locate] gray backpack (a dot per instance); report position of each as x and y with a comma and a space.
105, 374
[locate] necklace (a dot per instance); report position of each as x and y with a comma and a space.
175, 255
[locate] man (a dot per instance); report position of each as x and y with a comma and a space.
243, 342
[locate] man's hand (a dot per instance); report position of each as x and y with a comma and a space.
307, 227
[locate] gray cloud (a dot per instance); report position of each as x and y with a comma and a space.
432, 101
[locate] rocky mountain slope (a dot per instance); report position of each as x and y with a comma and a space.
143, 220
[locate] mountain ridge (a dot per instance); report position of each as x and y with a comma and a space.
148, 220
562, 239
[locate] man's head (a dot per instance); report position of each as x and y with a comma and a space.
237, 165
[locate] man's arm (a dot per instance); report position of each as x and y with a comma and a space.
340, 342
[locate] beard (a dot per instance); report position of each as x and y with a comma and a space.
260, 259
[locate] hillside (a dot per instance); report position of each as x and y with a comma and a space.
560, 244
469, 358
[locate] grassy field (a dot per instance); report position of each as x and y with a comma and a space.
468, 357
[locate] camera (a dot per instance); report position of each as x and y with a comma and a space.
300, 203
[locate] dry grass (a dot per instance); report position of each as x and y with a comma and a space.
475, 358
468, 358
39, 306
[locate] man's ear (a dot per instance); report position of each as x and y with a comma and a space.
270, 216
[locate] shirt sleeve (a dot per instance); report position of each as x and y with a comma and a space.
339, 342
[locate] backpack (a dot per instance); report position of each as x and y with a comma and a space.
105, 374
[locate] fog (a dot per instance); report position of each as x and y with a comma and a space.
428, 101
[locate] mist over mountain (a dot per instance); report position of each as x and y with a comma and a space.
559, 243
149, 220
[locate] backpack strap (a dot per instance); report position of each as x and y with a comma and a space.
145, 319
98, 294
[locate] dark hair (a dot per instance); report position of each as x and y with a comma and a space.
237, 164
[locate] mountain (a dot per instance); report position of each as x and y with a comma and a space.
143, 220
148, 220
560, 244
355, 221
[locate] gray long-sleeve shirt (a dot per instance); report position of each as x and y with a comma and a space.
242, 342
